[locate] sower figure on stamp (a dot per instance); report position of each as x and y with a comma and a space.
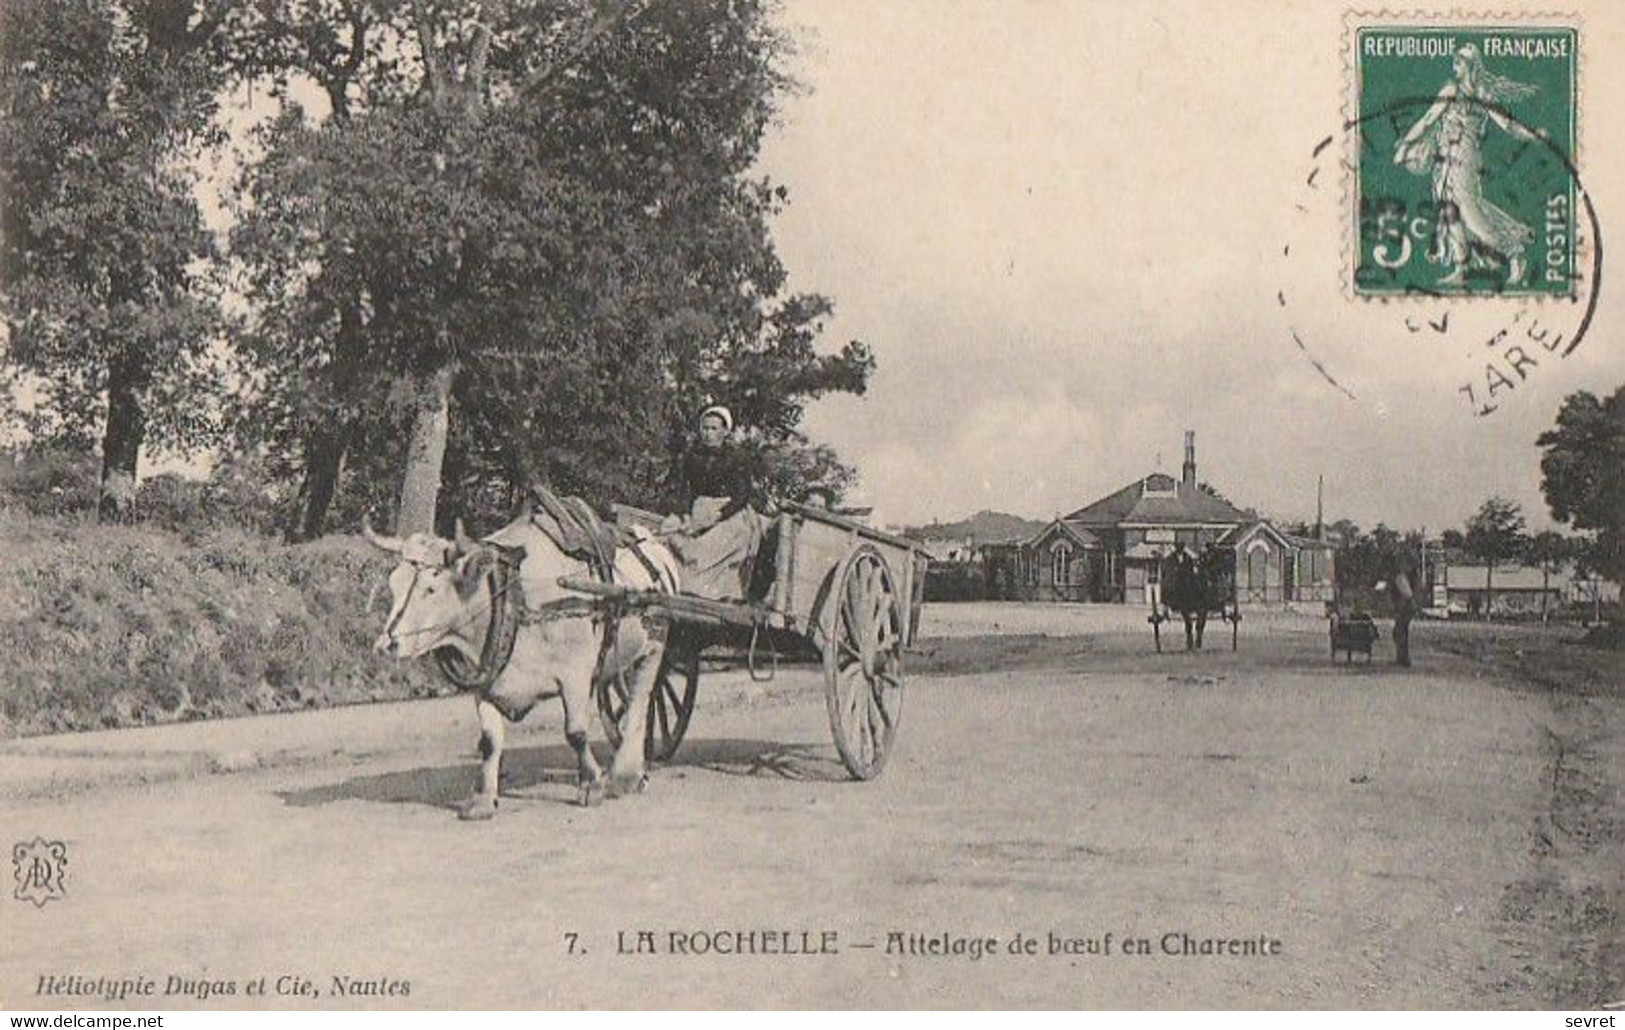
1401, 587
719, 531
1448, 142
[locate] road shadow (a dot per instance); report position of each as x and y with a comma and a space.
543, 772
801, 762
548, 773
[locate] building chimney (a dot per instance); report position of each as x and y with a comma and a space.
1189, 474
1320, 507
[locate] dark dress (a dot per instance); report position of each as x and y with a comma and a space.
718, 492
717, 472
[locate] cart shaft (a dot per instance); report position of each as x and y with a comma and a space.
679, 607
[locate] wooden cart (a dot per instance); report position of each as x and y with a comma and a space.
1351, 633
838, 592
1227, 611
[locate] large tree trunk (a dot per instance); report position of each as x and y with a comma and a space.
327, 444
127, 378
324, 460
461, 93
426, 453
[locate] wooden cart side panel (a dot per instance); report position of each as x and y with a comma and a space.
811, 550
809, 553
782, 594
916, 594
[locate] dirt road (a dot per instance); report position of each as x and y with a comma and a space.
1367, 837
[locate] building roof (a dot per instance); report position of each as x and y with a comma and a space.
1234, 537
1158, 499
1077, 534
1308, 542
1507, 577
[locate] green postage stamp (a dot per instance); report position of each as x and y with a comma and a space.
1464, 158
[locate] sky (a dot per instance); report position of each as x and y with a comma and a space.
1061, 227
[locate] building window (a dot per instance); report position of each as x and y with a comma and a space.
1159, 484
1062, 560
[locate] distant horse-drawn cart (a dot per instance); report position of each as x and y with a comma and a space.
1193, 592
840, 593
1226, 611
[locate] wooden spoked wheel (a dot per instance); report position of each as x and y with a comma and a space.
862, 635
677, 684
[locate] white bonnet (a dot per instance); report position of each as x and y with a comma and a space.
720, 412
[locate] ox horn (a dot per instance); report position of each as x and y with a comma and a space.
384, 543
465, 543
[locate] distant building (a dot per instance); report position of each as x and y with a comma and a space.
1112, 550
949, 549
1516, 589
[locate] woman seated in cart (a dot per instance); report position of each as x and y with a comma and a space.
718, 533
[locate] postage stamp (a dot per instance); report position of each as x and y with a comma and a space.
1464, 178
1451, 203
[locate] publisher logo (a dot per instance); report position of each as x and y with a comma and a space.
41, 870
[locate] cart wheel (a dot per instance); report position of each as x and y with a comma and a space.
862, 637
676, 685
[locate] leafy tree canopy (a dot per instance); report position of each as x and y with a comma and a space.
579, 234
104, 260
1583, 474
1495, 533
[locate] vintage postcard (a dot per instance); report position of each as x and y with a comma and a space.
804, 504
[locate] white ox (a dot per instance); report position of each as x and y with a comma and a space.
445, 596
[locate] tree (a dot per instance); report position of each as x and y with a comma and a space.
1363, 559
305, 418
101, 238
531, 248
1589, 560
1581, 474
1351, 571
1386, 543
1495, 534
1550, 549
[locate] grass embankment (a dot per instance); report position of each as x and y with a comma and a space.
105, 626
1569, 660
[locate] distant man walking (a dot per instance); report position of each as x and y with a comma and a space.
1402, 593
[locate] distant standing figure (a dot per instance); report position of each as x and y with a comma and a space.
818, 498
1182, 592
1402, 592
1213, 581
